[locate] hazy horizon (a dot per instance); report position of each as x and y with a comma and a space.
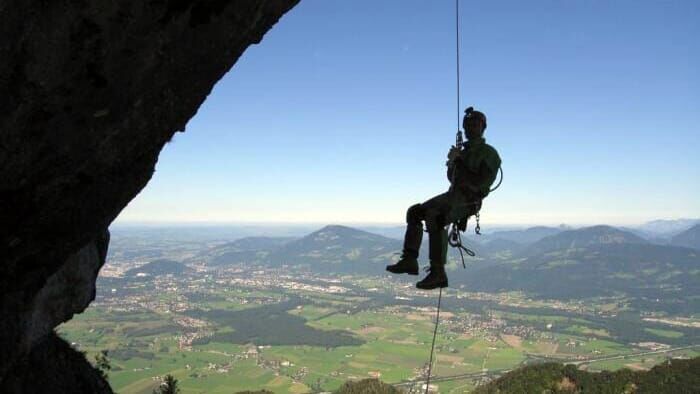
122, 223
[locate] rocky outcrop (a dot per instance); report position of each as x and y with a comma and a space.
53, 366
67, 292
91, 92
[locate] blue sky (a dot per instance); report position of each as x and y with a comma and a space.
345, 112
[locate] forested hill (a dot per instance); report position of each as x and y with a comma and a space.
642, 270
595, 262
584, 237
244, 250
674, 377
567, 264
528, 235
158, 268
338, 248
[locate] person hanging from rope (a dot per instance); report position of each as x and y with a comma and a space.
471, 168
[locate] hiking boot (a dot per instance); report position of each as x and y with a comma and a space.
406, 265
438, 253
436, 278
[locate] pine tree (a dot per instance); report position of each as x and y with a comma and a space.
102, 363
169, 386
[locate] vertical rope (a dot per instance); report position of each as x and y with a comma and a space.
437, 316
457, 51
432, 347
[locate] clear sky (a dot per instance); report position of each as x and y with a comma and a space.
346, 110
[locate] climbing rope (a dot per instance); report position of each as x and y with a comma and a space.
500, 179
459, 239
459, 110
455, 240
455, 236
432, 347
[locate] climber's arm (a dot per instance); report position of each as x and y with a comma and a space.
454, 159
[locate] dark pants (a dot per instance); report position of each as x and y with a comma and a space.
437, 213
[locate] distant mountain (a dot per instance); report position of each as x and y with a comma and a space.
667, 227
256, 243
396, 232
593, 262
689, 238
338, 248
604, 269
497, 246
527, 236
651, 237
584, 237
333, 248
244, 250
158, 268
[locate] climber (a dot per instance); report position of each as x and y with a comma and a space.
471, 169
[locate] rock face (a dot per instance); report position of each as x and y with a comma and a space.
54, 367
91, 92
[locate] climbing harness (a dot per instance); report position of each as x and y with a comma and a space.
455, 240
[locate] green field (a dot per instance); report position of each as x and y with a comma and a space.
664, 333
388, 341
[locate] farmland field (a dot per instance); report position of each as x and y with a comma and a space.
216, 339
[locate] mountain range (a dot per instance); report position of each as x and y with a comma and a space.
583, 238
244, 250
548, 262
528, 235
592, 262
338, 249
689, 238
666, 228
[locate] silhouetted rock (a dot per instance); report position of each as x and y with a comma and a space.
91, 92
53, 366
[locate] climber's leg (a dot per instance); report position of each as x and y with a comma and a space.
408, 263
414, 230
437, 212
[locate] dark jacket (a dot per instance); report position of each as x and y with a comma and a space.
476, 168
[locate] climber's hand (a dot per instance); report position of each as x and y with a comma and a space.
453, 154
